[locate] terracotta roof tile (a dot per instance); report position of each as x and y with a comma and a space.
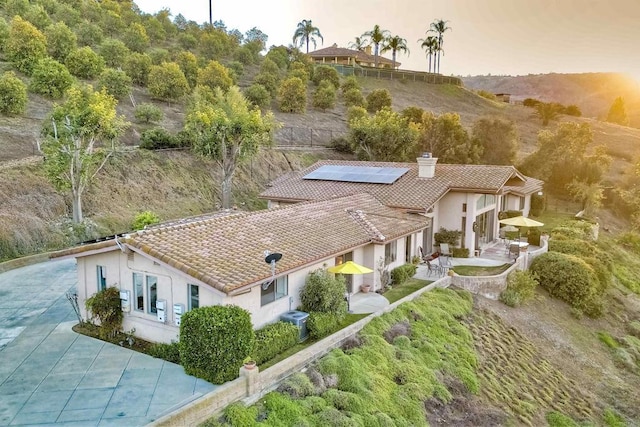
334, 51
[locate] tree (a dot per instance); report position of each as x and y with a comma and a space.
215, 75
167, 82
50, 78
85, 63
439, 27
26, 45
89, 34
326, 73
136, 38
292, 96
359, 43
324, 97
324, 293
446, 138
306, 32
378, 99
385, 136
116, 82
258, 95
377, 36
4, 33
395, 44
61, 41
229, 131
546, 112
255, 39
114, 52
431, 47
498, 139
617, 112
590, 194
148, 113
188, 63
80, 137
13, 94
353, 97
138, 66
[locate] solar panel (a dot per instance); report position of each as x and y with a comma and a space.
365, 174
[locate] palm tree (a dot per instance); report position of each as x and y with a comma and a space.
306, 32
377, 35
395, 44
359, 43
430, 45
439, 27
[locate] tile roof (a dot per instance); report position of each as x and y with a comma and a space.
531, 185
227, 252
334, 51
408, 192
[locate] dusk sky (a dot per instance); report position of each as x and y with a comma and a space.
512, 37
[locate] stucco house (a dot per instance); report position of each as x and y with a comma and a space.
467, 198
340, 55
170, 268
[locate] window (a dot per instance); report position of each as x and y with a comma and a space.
464, 207
152, 292
391, 251
194, 297
138, 291
521, 207
102, 277
272, 290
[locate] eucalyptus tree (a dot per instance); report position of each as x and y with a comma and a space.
377, 36
359, 43
395, 44
439, 27
305, 33
430, 46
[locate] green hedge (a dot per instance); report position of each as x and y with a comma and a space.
322, 324
324, 293
214, 340
521, 287
168, 352
460, 252
274, 339
401, 274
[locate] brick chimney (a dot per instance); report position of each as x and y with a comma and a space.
426, 165
367, 50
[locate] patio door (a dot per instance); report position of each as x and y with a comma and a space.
407, 249
427, 240
341, 259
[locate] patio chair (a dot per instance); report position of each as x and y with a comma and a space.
445, 254
432, 268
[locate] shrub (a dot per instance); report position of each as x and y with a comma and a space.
274, 339
188, 63
292, 96
116, 82
239, 415
460, 252
85, 63
258, 95
301, 74
157, 139
324, 293
114, 52
608, 340
355, 113
89, 34
136, 38
324, 97
167, 82
633, 328
268, 66
105, 306
530, 102
341, 145
354, 97
557, 419
321, 325
168, 352
25, 46
4, 33
137, 66
451, 237
142, 219
349, 83
378, 99
486, 94
215, 75
244, 55
326, 72
214, 340
61, 41
159, 55
401, 274
533, 236
566, 277
269, 82
413, 114
236, 67
148, 113
187, 41
13, 94
50, 78
537, 205
630, 240
297, 386
521, 286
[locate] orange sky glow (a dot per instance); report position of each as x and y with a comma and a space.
510, 37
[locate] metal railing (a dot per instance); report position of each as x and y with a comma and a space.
388, 74
306, 137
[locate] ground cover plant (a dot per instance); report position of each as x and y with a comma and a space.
478, 270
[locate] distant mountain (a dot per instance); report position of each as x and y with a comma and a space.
592, 92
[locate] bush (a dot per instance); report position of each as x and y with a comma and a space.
142, 219
61, 41
116, 82
236, 67
274, 339
215, 75
85, 63
297, 386
324, 293
137, 66
239, 415
321, 325
530, 102
486, 94
326, 72
451, 237
159, 55
114, 52
148, 113
4, 33
89, 34
157, 139
136, 38
268, 66
354, 97
258, 95
460, 252
566, 277
13, 94
25, 46
105, 306
341, 145
324, 97
533, 236
269, 82
168, 352
292, 96
557, 419
401, 274
214, 340
537, 205
355, 112
378, 99
521, 286
167, 82
349, 83
50, 78
244, 55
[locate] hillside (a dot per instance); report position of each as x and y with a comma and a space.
592, 92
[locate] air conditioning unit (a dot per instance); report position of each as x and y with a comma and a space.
298, 318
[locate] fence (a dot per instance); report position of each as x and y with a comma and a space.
307, 137
388, 74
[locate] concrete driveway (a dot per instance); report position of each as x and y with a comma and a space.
49, 375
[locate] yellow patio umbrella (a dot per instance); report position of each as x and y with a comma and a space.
521, 221
349, 267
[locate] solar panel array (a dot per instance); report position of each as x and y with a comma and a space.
366, 174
